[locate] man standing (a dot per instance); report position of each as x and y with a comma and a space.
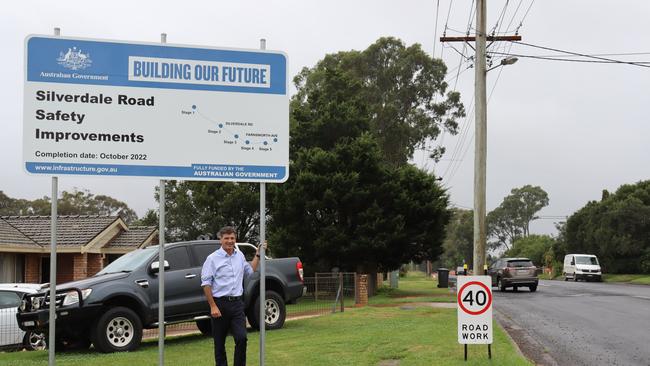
222, 280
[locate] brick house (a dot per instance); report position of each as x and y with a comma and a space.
85, 244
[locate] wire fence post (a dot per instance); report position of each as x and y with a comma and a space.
356, 288
342, 289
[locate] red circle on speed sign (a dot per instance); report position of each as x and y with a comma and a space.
487, 305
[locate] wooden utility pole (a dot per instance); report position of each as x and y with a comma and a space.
480, 141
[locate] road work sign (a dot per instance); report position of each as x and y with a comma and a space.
97, 107
474, 300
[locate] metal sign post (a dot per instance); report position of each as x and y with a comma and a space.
262, 321
53, 222
52, 318
161, 262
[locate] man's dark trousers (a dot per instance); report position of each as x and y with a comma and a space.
232, 319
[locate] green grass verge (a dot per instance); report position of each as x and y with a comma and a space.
415, 287
419, 335
639, 279
362, 336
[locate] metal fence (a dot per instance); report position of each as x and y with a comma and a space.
325, 293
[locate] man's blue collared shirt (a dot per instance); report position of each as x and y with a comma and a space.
225, 273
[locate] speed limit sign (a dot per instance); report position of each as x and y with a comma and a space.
474, 299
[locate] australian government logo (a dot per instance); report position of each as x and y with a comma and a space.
74, 59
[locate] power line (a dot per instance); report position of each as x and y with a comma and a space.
582, 55
463, 134
548, 58
525, 15
435, 29
500, 18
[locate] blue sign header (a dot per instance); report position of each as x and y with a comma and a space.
90, 62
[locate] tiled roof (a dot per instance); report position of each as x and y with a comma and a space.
73, 230
132, 238
9, 235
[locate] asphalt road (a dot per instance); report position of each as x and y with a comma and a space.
581, 323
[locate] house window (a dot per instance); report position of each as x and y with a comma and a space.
12, 268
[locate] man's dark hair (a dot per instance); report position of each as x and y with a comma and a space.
227, 230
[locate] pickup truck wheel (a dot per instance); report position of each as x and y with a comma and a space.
205, 326
34, 341
276, 311
118, 329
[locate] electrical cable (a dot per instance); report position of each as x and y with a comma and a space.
581, 54
435, 29
550, 58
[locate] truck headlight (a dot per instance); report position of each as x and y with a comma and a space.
72, 297
36, 303
23, 306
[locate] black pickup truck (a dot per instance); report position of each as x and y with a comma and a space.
111, 308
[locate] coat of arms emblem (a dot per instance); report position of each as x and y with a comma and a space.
74, 59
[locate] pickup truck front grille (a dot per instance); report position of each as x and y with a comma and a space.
41, 301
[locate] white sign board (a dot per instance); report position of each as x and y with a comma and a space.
110, 108
474, 309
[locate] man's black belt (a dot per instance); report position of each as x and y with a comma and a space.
228, 298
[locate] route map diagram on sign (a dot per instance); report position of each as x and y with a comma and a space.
234, 132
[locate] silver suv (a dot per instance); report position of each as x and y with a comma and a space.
515, 273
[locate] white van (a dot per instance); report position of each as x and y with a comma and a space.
582, 266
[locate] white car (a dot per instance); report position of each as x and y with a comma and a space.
10, 334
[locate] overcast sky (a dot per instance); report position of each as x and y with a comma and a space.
572, 128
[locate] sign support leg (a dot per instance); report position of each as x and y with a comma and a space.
465, 352
53, 217
53, 222
161, 274
262, 320
490, 351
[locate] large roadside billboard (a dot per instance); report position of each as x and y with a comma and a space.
111, 108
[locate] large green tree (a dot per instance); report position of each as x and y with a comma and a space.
398, 93
195, 208
617, 229
511, 219
348, 208
536, 247
352, 200
458, 246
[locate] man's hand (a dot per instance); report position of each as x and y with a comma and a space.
265, 247
214, 312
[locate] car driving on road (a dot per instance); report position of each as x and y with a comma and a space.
515, 273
